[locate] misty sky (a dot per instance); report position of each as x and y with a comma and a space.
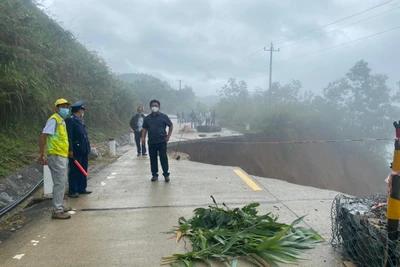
204, 42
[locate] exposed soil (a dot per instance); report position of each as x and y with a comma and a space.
343, 167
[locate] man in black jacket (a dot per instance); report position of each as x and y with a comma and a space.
155, 125
137, 127
79, 149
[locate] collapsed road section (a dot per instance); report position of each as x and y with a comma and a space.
335, 166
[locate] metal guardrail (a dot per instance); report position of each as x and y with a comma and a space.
18, 201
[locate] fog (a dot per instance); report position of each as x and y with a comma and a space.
335, 67
206, 42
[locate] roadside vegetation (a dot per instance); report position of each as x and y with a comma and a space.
41, 62
359, 105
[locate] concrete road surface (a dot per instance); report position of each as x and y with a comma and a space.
127, 219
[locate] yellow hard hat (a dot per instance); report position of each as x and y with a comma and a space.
61, 101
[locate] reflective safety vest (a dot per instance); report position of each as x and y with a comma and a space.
57, 144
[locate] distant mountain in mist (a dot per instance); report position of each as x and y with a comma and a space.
133, 77
208, 100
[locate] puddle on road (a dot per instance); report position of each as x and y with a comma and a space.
34, 242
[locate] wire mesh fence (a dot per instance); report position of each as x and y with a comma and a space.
359, 230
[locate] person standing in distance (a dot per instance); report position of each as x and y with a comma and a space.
213, 116
55, 137
193, 119
79, 149
208, 117
155, 125
136, 124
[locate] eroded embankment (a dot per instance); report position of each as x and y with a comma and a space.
343, 167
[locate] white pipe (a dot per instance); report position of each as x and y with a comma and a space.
112, 146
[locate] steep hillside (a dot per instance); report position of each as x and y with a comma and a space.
40, 62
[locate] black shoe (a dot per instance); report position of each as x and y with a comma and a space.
154, 178
76, 195
138, 154
145, 154
166, 179
86, 192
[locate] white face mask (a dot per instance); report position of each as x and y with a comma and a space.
154, 109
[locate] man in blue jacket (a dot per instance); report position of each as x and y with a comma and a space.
79, 149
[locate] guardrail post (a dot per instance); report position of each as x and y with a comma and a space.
112, 146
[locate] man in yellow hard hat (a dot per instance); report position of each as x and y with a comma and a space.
55, 138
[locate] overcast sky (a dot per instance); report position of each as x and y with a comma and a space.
204, 42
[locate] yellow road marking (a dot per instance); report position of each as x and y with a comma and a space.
248, 180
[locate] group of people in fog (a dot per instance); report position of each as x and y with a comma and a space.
197, 118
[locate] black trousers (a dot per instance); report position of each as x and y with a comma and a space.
77, 180
141, 149
161, 150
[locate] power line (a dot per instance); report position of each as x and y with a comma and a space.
329, 24
324, 26
302, 41
255, 53
335, 46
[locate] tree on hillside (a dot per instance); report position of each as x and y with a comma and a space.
233, 91
235, 101
148, 87
185, 99
286, 94
365, 101
359, 105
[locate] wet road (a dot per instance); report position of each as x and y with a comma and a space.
126, 221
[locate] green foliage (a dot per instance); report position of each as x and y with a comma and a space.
40, 62
364, 102
18, 147
360, 105
221, 233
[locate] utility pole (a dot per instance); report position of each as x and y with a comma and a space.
271, 50
180, 84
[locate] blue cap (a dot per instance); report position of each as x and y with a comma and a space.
78, 105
